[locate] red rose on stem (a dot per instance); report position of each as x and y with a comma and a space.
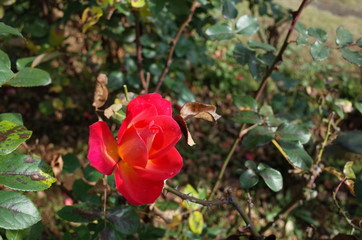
144, 155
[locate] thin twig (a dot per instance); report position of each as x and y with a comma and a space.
328, 133
105, 198
234, 203
173, 43
139, 52
228, 157
279, 57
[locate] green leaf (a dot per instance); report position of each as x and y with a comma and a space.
344, 37
303, 40
319, 51
71, 163
22, 63
5, 68
256, 68
250, 164
358, 187
318, 33
258, 136
91, 174
266, 110
16, 234
351, 141
292, 132
267, 58
255, 44
12, 117
272, 177
348, 170
297, 156
245, 103
228, 10
17, 211
247, 25
220, 32
81, 192
125, 220
301, 28
6, 29
190, 190
352, 57
249, 117
82, 213
248, 179
358, 106
30, 77
11, 136
167, 205
242, 54
25, 173
359, 42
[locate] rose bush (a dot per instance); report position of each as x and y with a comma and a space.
144, 155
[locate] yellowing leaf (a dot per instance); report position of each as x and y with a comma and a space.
90, 16
190, 190
104, 3
138, 3
175, 221
145, 13
196, 222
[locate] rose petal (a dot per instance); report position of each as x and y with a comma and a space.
136, 190
140, 112
162, 168
162, 105
166, 139
132, 148
102, 151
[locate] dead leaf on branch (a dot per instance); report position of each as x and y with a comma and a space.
199, 110
113, 109
101, 91
184, 129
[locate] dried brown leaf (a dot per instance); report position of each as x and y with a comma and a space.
57, 164
199, 110
184, 129
101, 91
110, 111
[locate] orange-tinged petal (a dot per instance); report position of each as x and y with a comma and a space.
102, 151
162, 168
132, 148
135, 189
165, 139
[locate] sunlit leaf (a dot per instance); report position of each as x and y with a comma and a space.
190, 190
17, 211
296, 154
12, 117
352, 56
344, 37
90, 17
247, 25
26, 173
138, 3
11, 136
30, 77
272, 177
348, 170
318, 33
220, 32
196, 222
319, 51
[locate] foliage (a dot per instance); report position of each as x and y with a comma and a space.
289, 133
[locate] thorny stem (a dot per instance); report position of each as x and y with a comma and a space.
228, 157
230, 200
295, 18
173, 43
141, 75
328, 133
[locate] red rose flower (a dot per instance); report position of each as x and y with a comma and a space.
144, 155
